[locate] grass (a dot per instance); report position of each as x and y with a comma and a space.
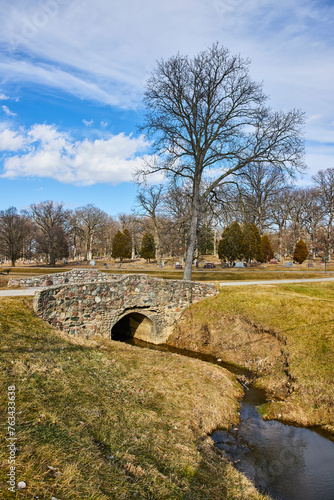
284, 333
228, 274
101, 420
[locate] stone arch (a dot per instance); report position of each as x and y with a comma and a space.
133, 324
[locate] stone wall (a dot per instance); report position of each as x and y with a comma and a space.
94, 308
69, 277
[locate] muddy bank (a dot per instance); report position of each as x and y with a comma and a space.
264, 351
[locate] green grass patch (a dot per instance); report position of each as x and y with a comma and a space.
98, 420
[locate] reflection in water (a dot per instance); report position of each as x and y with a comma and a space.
288, 463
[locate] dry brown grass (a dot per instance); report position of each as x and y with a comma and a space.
101, 420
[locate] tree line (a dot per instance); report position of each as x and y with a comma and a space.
260, 205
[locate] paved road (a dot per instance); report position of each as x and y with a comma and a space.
20, 292
273, 282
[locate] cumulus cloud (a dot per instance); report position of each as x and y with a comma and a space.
50, 153
11, 140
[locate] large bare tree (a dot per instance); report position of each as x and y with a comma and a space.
207, 116
49, 216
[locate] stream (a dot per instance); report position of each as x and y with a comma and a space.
284, 461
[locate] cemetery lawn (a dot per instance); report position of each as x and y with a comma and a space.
283, 333
99, 420
214, 275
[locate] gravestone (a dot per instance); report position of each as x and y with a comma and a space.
239, 264
273, 261
288, 264
92, 263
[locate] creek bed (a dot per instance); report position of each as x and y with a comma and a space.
284, 461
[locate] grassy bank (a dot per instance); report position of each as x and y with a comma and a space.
103, 420
284, 333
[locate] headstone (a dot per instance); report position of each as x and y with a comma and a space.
273, 261
288, 264
92, 263
310, 264
239, 264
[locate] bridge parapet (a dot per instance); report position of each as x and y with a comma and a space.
94, 308
82, 275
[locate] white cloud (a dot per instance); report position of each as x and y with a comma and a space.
50, 153
88, 123
7, 111
11, 140
3, 97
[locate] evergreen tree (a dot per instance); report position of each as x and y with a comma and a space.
267, 250
147, 249
121, 245
230, 247
300, 253
252, 243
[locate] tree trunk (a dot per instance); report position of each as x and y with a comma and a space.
215, 240
52, 259
133, 246
157, 245
193, 230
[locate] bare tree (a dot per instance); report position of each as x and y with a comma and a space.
132, 224
324, 181
206, 113
90, 220
150, 200
280, 207
14, 229
49, 216
297, 215
259, 182
313, 217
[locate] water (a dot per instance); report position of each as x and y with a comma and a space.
286, 462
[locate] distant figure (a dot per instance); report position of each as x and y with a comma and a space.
196, 263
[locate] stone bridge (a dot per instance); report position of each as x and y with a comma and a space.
119, 306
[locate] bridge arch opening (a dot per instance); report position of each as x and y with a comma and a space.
133, 325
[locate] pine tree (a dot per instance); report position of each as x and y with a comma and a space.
267, 250
147, 249
230, 247
121, 245
300, 253
252, 243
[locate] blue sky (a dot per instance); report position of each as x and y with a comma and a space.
72, 75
